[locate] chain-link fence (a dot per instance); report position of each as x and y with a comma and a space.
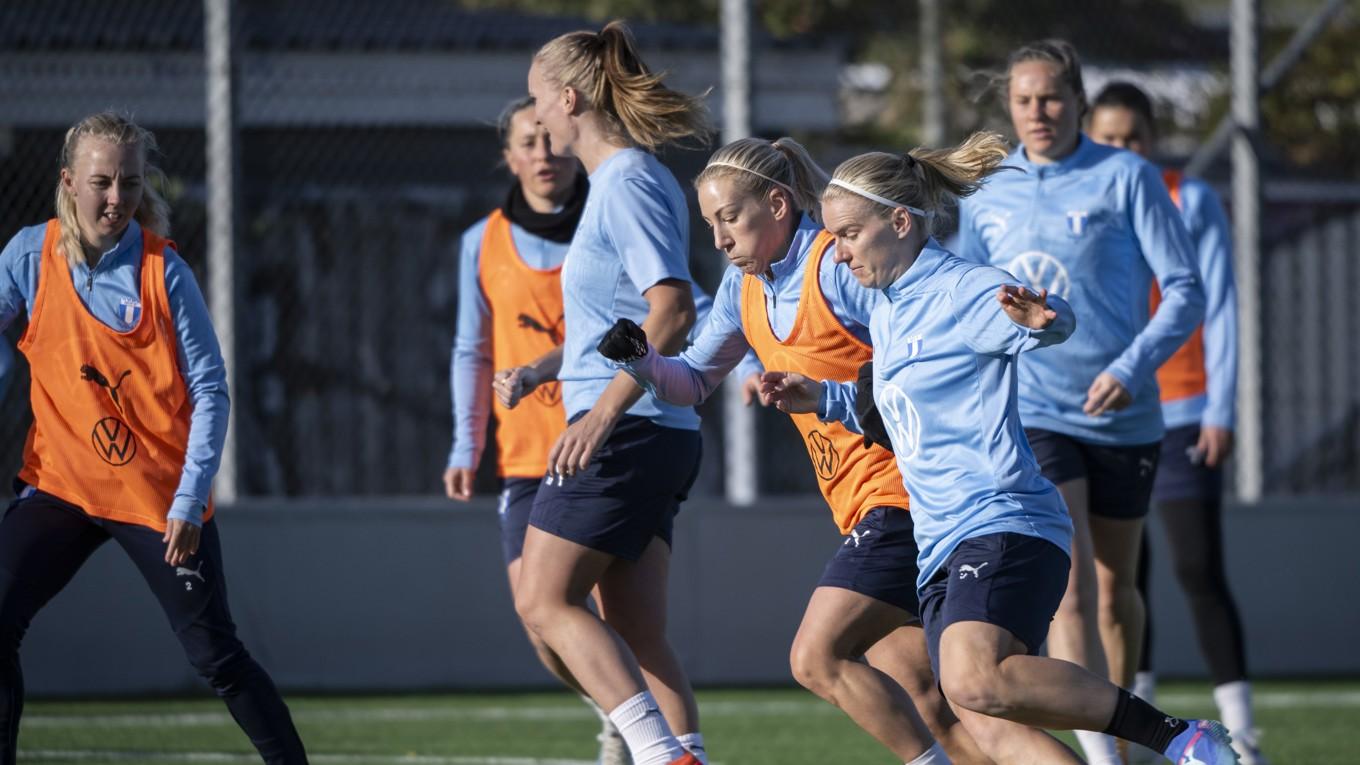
366, 149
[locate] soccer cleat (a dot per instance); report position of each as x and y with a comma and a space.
1247, 745
1205, 742
688, 759
613, 749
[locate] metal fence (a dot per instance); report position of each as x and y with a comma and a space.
366, 149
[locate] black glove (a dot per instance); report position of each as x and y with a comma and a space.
870, 421
624, 342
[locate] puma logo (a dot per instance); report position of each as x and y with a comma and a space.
528, 322
182, 571
856, 536
88, 372
976, 571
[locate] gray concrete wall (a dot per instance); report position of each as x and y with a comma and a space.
408, 594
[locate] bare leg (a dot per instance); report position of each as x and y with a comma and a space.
1074, 634
985, 671
554, 582
839, 626
632, 599
902, 656
1117, 543
550, 660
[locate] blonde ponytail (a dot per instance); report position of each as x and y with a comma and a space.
153, 213
931, 180
607, 71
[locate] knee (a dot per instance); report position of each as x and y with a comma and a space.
813, 666
533, 614
975, 690
227, 668
1079, 604
1193, 575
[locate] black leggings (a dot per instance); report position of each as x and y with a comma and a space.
44, 541
1194, 533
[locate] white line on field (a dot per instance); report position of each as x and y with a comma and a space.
78, 755
532, 713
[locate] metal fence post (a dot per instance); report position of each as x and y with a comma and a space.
741, 474
1246, 208
219, 41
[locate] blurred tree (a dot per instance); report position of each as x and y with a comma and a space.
1314, 115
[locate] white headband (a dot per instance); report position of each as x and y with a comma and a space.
781, 185
883, 200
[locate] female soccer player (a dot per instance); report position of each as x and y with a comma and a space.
510, 313
1198, 386
785, 298
616, 476
993, 532
1093, 225
130, 404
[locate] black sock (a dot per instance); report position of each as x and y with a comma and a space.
1138, 721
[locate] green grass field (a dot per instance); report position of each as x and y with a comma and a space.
1315, 723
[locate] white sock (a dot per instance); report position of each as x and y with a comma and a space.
1234, 706
694, 744
932, 756
1099, 747
1145, 686
648, 736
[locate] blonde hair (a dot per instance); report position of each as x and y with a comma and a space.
755, 166
605, 69
931, 180
153, 213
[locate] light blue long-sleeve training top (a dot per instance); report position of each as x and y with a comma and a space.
634, 233
721, 346
1093, 228
470, 366
109, 291
945, 370
1212, 237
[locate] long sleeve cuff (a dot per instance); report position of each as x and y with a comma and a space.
187, 509
837, 404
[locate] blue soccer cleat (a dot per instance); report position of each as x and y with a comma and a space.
1205, 742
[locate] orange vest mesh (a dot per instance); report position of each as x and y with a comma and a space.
110, 409
526, 322
1183, 375
853, 479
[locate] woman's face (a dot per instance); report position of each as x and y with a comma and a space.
1122, 128
552, 111
528, 154
1044, 111
105, 179
875, 248
751, 230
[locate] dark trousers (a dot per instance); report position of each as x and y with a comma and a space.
44, 541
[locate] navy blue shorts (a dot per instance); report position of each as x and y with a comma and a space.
1118, 478
1013, 581
629, 493
516, 502
1182, 473
878, 559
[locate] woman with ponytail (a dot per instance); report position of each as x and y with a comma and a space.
130, 406
785, 298
616, 476
994, 534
